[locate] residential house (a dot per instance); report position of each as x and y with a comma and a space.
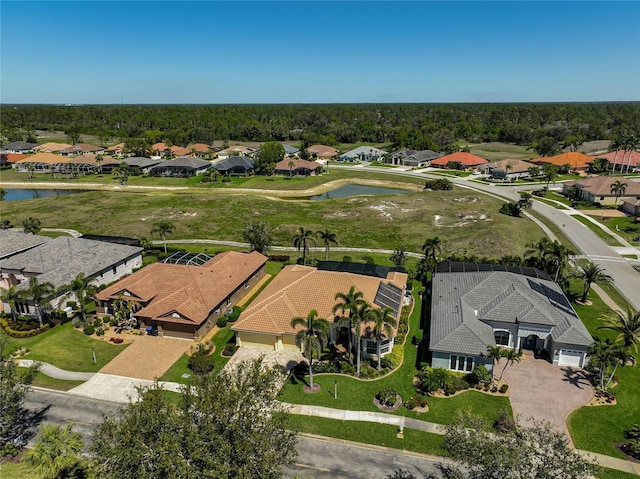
235, 166
59, 260
10, 159
322, 152
577, 162
142, 164
290, 150
185, 301
41, 162
181, 167
116, 150
459, 160
18, 147
363, 153
507, 169
295, 167
623, 159
299, 289
236, 150
81, 149
413, 158
474, 306
631, 207
198, 149
52, 147
597, 189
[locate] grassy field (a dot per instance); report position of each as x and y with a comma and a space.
67, 348
625, 227
495, 151
369, 222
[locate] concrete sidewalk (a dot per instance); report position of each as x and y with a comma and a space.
54, 372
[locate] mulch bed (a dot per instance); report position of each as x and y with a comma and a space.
384, 408
620, 447
312, 390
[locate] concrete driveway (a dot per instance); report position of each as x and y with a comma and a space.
541, 391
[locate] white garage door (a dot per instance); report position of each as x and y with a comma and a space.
570, 358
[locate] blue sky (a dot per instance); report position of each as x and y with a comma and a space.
318, 52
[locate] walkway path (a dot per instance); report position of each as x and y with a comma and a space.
55, 372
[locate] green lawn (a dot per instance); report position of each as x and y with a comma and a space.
355, 394
625, 227
606, 237
44, 381
67, 348
20, 470
175, 372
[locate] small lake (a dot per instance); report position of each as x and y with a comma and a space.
17, 194
358, 190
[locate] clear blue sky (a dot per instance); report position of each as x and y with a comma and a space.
318, 52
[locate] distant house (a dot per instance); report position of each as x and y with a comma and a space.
363, 153
459, 161
597, 189
11, 158
52, 147
141, 163
199, 149
577, 161
290, 150
18, 147
295, 167
322, 152
413, 158
622, 159
181, 167
116, 149
299, 289
59, 260
81, 149
236, 150
41, 162
475, 306
235, 166
507, 169
631, 207
185, 301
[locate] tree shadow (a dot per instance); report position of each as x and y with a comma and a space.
576, 377
27, 423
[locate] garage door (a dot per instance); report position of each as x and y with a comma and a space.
570, 358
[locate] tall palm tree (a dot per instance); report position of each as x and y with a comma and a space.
512, 356
84, 291
615, 144
591, 273
327, 238
362, 315
605, 354
39, 293
432, 248
55, 451
312, 338
627, 325
618, 188
383, 323
163, 228
301, 241
347, 306
291, 165
12, 296
495, 353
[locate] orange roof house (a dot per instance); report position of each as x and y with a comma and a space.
299, 289
199, 148
12, 158
116, 149
291, 166
576, 160
41, 162
182, 300
461, 159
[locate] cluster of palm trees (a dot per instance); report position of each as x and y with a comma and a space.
496, 353
627, 143
355, 312
304, 239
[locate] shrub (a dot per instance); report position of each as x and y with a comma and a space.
503, 389
633, 432
395, 357
504, 423
347, 368
77, 322
347, 259
480, 375
415, 340
63, 317
202, 361
327, 367
386, 363
281, 258
439, 184
235, 314
229, 350
222, 322
459, 383
417, 400
72, 304
113, 322
367, 372
387, 397
368, 260
100, 332
106, 319
89, 329
433, 379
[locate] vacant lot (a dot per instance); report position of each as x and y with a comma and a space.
468, 222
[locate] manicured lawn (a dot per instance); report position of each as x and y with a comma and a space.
558, 232
371, 433
44, 381
175, 372
68, 349
591, 315
355, 394
605, 473
606, 237
625, 227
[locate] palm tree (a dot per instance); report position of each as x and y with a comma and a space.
348, 305
40, 292
591, 273
146, 244
163, 228
627, 325
605, 354
511, 356
383, 323
356, 320
328, 238
494, 353
618, 188
83, 290
291, 165
99, 160
312, 339
525, 200
399, 257
301, 241
56, 451
12, 296
432, 247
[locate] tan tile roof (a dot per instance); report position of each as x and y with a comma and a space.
179, 151
52, 146
299, 289
199, 147
517, 166
322, 151
284, 164
191, 291
48, 158
118, 147
601, 185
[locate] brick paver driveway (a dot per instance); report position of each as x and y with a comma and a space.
542, 391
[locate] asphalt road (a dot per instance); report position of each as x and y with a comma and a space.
317, 458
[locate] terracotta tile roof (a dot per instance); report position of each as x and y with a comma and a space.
13, 157
601, 185
322, 151
299, 289
284, 164
82, 148
117, 148
159, 146
48, 158
51, 147
635, 157
465, 159
190, 291
199, 147
517, 166
179, 151
573, 158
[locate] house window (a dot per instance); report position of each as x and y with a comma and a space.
372, 347
461, 363
501, 338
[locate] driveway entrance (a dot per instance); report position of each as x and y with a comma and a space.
541, 391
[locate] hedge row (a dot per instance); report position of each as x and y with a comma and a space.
21, 334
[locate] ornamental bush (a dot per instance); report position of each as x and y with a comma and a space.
89, 329
202, 361
387, 397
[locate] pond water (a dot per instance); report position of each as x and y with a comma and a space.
17, 194
358, 190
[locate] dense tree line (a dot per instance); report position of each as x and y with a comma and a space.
418, 126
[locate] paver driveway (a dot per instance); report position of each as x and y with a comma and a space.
542, 391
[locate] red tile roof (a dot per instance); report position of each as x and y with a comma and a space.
284, 164
199, 147
635, 157
322, 151
465, 159
13, 157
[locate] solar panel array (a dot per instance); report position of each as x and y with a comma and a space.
189, 259
460, 267
389, 295
366, 269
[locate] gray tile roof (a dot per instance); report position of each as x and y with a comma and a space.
290, 150
184, 162
235, 162
463, 301
141, 162
13, 241
424, 155
19, 146
60, 260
